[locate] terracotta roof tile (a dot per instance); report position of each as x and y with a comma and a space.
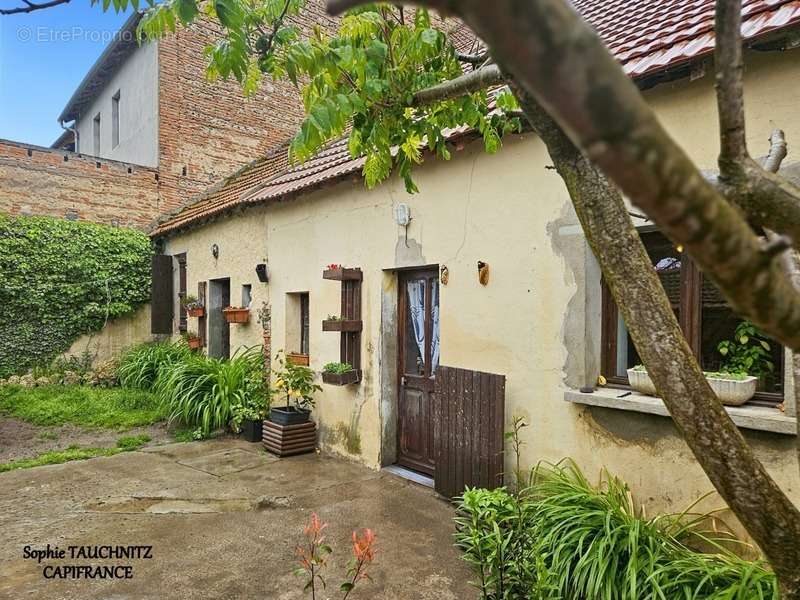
644, 35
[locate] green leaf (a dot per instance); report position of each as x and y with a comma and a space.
186, 10
229, 12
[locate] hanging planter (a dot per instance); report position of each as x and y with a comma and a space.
340, 374
235, 314
194, 342
297, 359
196, 312
193, 306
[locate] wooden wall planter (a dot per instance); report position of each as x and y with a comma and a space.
196, 312
347, 378
287, 440
343, 274
347, 325
236, 315
297, 359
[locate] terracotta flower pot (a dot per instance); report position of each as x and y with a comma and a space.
236, 315
196, 312
195, 343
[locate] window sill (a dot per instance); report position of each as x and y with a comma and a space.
761, 418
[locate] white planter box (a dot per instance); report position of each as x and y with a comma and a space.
641, 382
733, 392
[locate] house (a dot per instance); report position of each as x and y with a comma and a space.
146, 130
487, 270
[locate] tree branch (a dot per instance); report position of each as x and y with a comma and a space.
730, 89
473, 59
777, 151
470, 82
31, 6
583, 87
714, 439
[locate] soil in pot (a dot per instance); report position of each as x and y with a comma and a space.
289, 415
251, 430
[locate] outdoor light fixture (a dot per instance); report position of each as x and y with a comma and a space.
215, 251
261, 271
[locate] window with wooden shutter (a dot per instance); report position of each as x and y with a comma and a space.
162, 297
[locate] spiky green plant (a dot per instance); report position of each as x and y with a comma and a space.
140, 365
565, 538
203, 392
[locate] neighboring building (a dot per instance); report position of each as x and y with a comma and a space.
542, 319
149, 110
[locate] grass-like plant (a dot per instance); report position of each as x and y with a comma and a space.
79, 405
139, 366
75, 452
203, 392
565, 538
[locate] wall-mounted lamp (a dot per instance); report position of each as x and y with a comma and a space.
215, 251
261, 271
483, 272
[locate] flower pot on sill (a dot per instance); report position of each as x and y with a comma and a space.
251, 430
289, 415
236, 315
345, 378
298, 359
733, 392
641, 382
195, 343
196, 312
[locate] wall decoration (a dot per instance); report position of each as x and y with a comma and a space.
444, 275
483, 273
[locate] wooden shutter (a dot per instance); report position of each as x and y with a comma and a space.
201, 322
162, 300
468, 421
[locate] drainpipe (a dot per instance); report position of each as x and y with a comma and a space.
74, 132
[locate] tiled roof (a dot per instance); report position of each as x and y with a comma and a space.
646, 36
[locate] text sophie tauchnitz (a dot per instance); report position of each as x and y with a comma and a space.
81, 569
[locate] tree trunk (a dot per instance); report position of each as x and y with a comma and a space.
764, 510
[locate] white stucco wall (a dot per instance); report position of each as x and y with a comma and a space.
137, 82
538, 320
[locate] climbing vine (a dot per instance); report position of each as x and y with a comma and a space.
62, 279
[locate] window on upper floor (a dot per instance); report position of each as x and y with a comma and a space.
704, 316
96, 135
115, 119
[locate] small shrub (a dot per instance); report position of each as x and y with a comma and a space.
133, 442
564, 538
337, 368
203, 391
139, 366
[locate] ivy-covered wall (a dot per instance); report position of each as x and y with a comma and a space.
60, 279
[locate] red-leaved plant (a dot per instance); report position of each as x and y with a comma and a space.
314, 554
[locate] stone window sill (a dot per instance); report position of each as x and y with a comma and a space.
761, 418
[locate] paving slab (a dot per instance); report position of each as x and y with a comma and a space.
222, 531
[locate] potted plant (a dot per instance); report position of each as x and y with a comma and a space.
248, 417
336, 373
748, 353
640, 380
295, 383
193, 306
236, 314
193, 340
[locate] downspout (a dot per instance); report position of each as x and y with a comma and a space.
74, 132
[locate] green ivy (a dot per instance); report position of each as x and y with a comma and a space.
62, 279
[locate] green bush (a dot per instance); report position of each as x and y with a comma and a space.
564, 538
203, 391
62, 279
139, 366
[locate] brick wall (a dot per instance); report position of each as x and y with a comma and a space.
207, 130
41, 181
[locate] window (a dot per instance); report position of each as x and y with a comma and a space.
304, 324
297, 324
247, 295
704, 316
96, 134
115, 120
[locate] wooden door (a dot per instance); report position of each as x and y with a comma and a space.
418, 357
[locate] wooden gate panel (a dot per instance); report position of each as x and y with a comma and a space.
468, 419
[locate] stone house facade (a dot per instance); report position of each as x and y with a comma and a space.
494, 264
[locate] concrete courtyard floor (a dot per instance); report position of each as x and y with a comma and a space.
223, 519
